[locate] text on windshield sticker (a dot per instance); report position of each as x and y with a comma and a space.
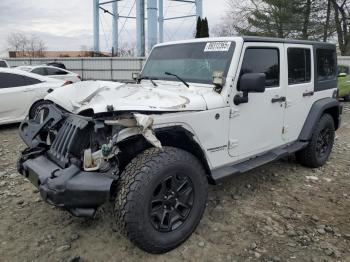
217, 47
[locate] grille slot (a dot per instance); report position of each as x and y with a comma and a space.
61, 146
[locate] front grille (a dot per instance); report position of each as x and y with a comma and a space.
65, 139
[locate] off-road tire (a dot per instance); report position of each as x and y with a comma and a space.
309, 156
136, 189
346, 98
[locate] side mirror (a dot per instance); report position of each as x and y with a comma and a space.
136, 76
250, 83
218, 79
342, 75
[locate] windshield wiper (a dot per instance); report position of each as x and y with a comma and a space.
150, 79
183, 81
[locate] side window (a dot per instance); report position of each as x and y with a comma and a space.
11, 80
31, 81
54, 71
299, 65
40, 71
326, 65
3, 64
263, 60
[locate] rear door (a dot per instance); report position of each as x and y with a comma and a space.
300, 88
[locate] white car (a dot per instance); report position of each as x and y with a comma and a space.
3, 63
19, 90
53, 72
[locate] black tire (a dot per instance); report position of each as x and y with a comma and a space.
146, 178
36, 107
346, 98
320, 147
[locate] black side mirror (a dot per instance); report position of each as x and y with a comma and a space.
250, 83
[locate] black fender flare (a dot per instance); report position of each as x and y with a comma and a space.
325, 105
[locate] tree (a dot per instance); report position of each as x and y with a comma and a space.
341, 17
301, 19
202, 28
26, 46
198, 27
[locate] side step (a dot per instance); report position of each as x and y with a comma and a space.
273, 155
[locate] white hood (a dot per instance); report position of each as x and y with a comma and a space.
97, 95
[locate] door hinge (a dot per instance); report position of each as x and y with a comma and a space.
232, 144
234, 113
285, 130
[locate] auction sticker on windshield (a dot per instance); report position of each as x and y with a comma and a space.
217, 47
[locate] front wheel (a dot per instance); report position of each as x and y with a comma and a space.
320, 147
161, 198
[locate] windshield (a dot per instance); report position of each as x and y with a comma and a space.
193, 62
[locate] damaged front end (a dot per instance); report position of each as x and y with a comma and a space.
75, 161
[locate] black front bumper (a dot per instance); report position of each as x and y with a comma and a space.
70, 188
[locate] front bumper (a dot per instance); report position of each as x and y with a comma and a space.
70, 188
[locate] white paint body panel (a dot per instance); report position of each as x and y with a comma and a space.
16, 101
258, 125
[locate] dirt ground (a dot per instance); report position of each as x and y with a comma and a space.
280, 212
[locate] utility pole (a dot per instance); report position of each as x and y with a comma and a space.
115, 27
140, 27
152, 20
199, 8
96, 6
161, 21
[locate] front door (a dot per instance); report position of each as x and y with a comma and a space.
257, 126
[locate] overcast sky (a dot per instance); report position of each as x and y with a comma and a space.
67, 24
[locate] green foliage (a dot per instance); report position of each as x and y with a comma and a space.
202, 29
299, 19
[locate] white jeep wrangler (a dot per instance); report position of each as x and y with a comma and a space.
202, 110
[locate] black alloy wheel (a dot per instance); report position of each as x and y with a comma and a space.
171, 202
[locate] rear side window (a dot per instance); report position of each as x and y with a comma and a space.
3, 64
31, 81
40, 71
299, 65
12, 80
263, 60
54, 71
326, 64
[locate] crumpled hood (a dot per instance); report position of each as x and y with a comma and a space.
98, 95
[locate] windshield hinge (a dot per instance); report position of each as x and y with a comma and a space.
234, 113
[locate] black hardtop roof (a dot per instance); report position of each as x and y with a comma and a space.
287, 41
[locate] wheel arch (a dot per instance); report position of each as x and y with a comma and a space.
174, 136
179, 137
323, 106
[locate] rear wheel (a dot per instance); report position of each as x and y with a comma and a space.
320, 147
161, 198
346, 98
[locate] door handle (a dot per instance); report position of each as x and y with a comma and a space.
311, 93
279, 99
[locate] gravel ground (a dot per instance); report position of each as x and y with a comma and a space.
280, 212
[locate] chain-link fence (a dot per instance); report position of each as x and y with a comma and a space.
91, 68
